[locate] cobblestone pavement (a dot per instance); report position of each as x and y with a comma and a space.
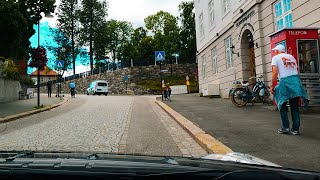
120, 124
97, 125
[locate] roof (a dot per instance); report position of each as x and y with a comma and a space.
45, 72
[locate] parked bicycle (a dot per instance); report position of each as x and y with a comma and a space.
240, 93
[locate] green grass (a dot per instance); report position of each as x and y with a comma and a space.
154, 84
39, 107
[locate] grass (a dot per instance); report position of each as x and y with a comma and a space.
39, 107
154, 84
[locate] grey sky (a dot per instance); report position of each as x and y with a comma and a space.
135, 10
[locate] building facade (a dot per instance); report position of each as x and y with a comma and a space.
233, 37
47, 74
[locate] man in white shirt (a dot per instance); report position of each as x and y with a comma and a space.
285, 68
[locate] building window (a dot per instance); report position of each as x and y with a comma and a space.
201, 25
211, 13
204, 74
283, 14
226, 6
214, 60
229, 58
41, 79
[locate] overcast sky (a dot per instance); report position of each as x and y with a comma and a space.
135, 10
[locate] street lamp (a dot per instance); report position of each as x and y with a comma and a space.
176, 55
48, 15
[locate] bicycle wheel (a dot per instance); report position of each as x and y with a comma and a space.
238, 99
264, 97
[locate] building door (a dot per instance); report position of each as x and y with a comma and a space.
248, 56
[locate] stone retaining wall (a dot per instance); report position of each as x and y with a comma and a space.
116, 81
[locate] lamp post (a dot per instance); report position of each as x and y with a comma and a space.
176, 55
47, 15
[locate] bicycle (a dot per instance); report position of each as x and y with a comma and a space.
241, 94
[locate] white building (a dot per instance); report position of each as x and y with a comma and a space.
233, 40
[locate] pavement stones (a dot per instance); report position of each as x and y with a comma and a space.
109, 124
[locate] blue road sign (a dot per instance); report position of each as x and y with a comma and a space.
60, 64
159, 55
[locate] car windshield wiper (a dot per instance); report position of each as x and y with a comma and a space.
27, 154
247, 174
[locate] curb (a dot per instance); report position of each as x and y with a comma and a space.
209, 143
29, 113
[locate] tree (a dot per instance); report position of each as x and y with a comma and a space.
68, 24
115, 37
17, 18
63, 43
92, 18
165, 28
187, 32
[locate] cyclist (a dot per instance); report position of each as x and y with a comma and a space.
72, 86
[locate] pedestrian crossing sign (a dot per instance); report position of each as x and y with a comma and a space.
60, 64
159, 55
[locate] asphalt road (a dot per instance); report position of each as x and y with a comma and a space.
253, 130
115, 124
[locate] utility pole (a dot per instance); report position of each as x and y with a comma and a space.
91, 53
72, 37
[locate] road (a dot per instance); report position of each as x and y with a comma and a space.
115, 124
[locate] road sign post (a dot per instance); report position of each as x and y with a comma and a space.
126, 79
60, 65
160, 56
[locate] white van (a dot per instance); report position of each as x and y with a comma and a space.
98, 87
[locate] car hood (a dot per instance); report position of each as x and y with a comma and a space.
240, 158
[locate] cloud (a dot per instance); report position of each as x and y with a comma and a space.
134, 11
79, 69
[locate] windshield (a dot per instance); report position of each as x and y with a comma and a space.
203, 79
102, 84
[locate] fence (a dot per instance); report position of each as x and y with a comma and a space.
80, 75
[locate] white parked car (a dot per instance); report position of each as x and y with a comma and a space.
98, 87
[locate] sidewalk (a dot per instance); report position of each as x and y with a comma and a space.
253, 130
20, 106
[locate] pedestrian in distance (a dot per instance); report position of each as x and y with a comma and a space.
72, 86
167, 92
285, 68
49, 86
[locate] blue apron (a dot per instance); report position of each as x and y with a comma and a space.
288, 88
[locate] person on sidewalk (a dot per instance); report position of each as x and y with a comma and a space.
72, 88
285, 68
49, 86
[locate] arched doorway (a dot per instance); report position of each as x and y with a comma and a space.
247, 55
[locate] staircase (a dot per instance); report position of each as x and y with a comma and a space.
311, 82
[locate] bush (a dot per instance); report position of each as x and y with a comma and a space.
27, 81
10, 69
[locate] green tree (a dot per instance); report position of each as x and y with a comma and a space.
114, 37
17, 18
187, 32
63, 43
92, 18
164, 27
68, 23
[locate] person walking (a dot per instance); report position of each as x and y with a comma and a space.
49, 86
285, 68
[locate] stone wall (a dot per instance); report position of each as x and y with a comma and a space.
9, 90
116, 81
